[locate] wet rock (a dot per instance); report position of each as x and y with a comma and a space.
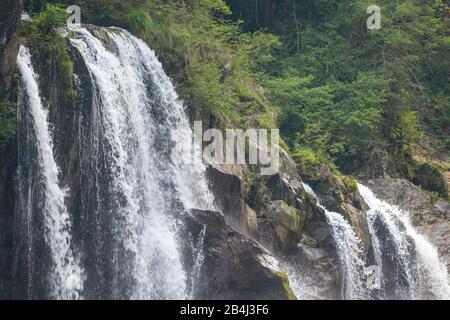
318, 265
439, 235
340, 194
277, 212
404, 194
409, 197
358, 221
429, 216
236, 267
8, 168
249, 223
401, 192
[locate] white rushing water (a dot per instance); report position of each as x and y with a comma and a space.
350, 253
143, 121
66, 273
425, 276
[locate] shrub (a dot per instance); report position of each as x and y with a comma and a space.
49, 20
139, 21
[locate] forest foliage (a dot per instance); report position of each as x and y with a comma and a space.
310, 67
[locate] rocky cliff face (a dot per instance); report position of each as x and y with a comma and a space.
8, 166
235, 265
10, 12
277, 212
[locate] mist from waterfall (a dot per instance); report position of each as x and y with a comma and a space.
66, 274
408, 261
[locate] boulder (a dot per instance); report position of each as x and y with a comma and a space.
320, 270
249, 223
281, 227
441, 210
286, 184
235, 267
226, 183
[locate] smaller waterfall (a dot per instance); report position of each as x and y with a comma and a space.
350, 254
66, 273
199, 257
417, 271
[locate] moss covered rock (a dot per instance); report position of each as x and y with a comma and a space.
234, 266
281, 227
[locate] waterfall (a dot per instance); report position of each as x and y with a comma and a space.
112, 225
198, 262
410, 264
141, 121
66, 272
119, 231
351, 257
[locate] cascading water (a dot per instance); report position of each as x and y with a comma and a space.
117, 232
353, 265
410, 264
66, 275
130, 186
141, 119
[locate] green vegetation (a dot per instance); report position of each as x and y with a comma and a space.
49, 20
7, 122
207, 54
335, 89
284, 278
343, 89
139, 21
44, 28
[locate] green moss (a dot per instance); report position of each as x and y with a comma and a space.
285, 280
64, 65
